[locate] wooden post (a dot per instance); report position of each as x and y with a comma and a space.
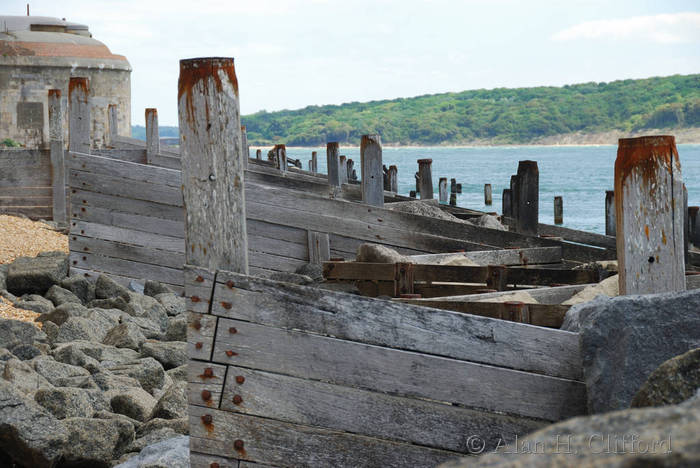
442, 190
113, 122
244, 147
417, 183
343, 169
694, 225
488, 196
314, 162
506, 204
385, 178
453, 199
610, 213
528, 198
58, 166
372, 176
412, 194
280, 154
514, 198
319, 247
351, 170
393, 175
332, 162
212, 165
258, 155
425, 176
79, 115
648, 204
453, 185
496, 277
403, 279
558, 210
152, 134
686, 227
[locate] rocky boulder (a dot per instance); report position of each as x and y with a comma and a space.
135, 403
35, 303
36, 275
106, 287
173, 403
173, 453
673, 382
65, 402
58, 296
125, 335
96, 442
169, 353
58, 373
374, 253
23, 376
174, 304
15, 332
80, 286
154, 288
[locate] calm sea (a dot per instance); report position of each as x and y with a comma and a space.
580, 174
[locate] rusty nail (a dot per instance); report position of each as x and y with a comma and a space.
197, 324
240, 379
230, 284
213, 465
230, 353
199, 279
195, 298
226, 305
208, 372
207, 419
233, 330
237, 399
206, 395
238, 444
198, 345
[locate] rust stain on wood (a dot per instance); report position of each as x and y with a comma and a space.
644, 154
199, 70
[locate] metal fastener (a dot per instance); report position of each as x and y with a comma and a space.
240, 379
207, 419
226, 305
198, 345
238, 444
230, 284
208, 372
237, 399
230, 353
233, 330
206, 395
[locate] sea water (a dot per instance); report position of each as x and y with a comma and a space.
580, 174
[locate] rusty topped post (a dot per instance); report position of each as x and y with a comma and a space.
528, 198
488, 195
372, 173
332, 163
425, 177
648, 206
314, 161
393, 174
343, 169
442, 191
506, 204
280, 157
212, 165
79, 115
258, 154
558, 210
152, 134
610, 213
58, 166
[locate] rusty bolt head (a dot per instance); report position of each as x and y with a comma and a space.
213, 465
230, 284
199, 279
238, 444
207, 419
233, 330
237, 399
208, 372
197, 324
240, 379
226, 305
198, 345
206, 395
230, 353
195, 298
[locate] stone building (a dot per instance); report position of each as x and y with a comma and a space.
40, 53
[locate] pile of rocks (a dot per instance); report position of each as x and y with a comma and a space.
103, 378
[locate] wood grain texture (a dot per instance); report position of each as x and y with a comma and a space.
79, 121
101, 165
58, 166
372, 175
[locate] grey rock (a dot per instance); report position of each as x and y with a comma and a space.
177, 328
29, 434
106, 287
292, 278
171, 453
374, 253
673, 382
125, 335
36, 275
648, 437
70, 353
51, 331
23, 376
151, 438
65, 402
112, 383
5, 355
59, 373
79, 328
14, 332
96, 442
35, 303
63, 312
180, 425
98, 399
58, 296
110, 303
3, 275
136, 403
174, 304
109, 415
26, 352
488, 221
169, 353
135, 286
8, 295
173, 403
154, 288
624, 339
80, 286
139, 305
147, 371
312, 270
178, 373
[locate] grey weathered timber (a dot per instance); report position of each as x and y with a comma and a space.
117, 168
212, 164
343, 169
531, 256
514, 198
111, 217
152, 134
488, 195
372, 175
124, 267
113, 124
319, 247
314, 161
131, 154
199, 287
506, 208
280, 155
244, 144
648, 205
360, 411
610, 213
213, 381
512, 345
528, 198
333, 163
86, 198
425, 178
58, 167
79, 115
686, 228
558, 210
351, 172
116, 186
453, 199
128, 236
393, 179
694, 225
124, 251
258, 155
442, 190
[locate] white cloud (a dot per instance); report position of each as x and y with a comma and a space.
664, 29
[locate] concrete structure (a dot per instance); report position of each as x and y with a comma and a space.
41, 53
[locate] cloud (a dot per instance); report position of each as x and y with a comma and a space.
663, 29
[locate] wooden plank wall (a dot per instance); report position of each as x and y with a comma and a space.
25, 183
287, 375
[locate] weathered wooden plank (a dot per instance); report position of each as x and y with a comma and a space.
199, 288
425, 179
26, 192
166, 160
270, 261
320, 404
58, 167
127, 205
152, 134
127, 251
546, 295
318, 247
121, 187
31, 212
79, 114
291, 445
125, 169
130, 155
204, 460
372, 178
127, 236
273, 231
527, 212
26, 175
528, 256
348, 246
358, 271
133, 221
18, 202
200, 334
574, 235
200, 379
517, 346
124, 267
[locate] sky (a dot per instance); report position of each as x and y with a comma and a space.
293, 53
